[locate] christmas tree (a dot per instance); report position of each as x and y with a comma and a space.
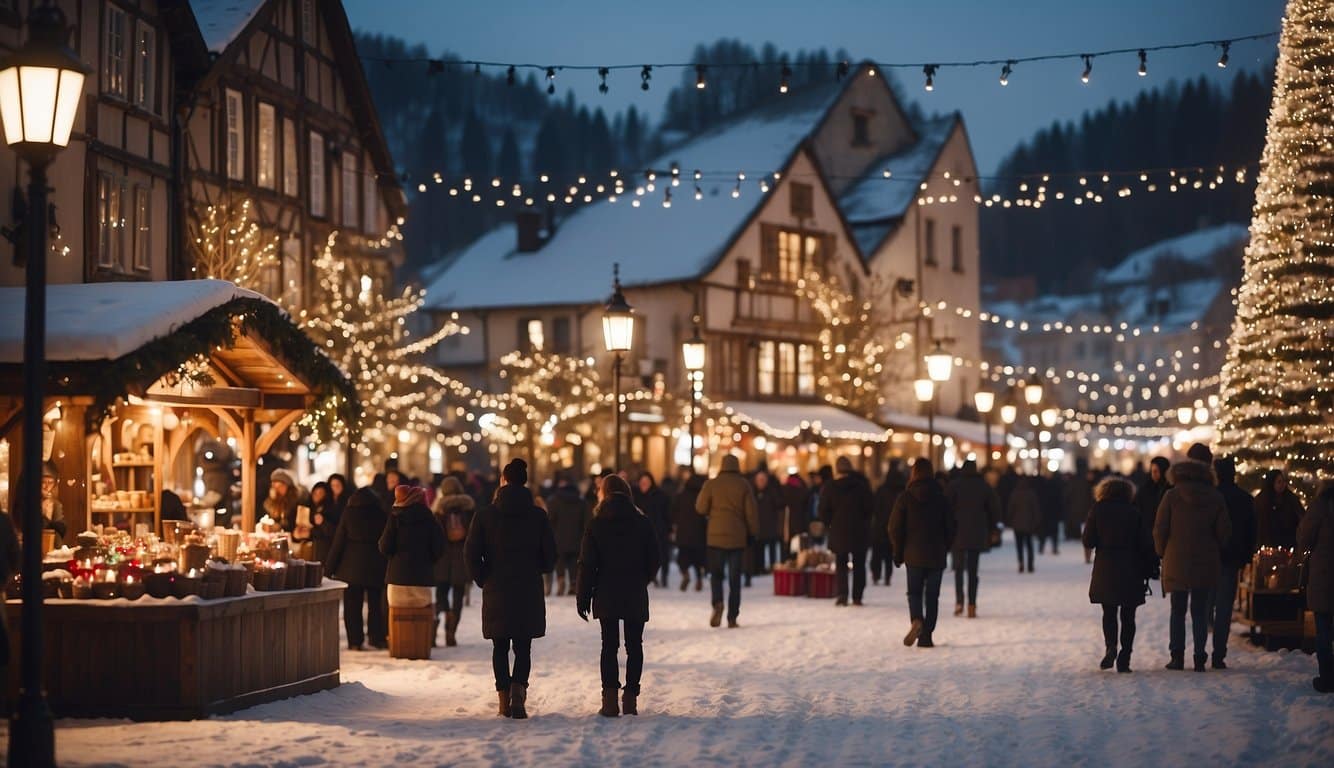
366, 332
849, 363
1278, 405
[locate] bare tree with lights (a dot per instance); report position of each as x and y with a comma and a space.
852, 356
227, 243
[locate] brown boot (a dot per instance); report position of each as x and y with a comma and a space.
518, 698
629, 703
958, 609
609, 703
560, 585
972, 611
716, 620
504, 697
451, 629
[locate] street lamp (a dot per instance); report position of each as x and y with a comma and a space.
41, 85
985, 400
939, 365
1048, 417
926, 393
692, 354
1033, 390
618, 334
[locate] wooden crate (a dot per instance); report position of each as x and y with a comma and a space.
182, 660
410, 632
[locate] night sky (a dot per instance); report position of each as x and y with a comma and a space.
612, 32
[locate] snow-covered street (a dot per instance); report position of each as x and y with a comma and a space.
800, 683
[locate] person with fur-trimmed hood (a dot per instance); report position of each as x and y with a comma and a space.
1189, 532
1122, 563
453, 508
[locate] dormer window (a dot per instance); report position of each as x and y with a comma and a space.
861, 129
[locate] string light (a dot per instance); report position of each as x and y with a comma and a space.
930, 71
1222, 60
645, 75
699, 77
1006, 71
1143, 63
551, 80
1088, 69
786, 75
602, 75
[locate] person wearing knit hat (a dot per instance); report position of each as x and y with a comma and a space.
515, 472
1201, 453
281, 504
407, 495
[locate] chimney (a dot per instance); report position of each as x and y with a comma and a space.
528, 222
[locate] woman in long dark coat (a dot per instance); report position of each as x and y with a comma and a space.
618, 560
454, 511
921, 531
1123, 560
354, 557
1317, 535
656, 506
1278, 512
510, 546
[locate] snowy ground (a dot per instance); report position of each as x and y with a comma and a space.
801, 683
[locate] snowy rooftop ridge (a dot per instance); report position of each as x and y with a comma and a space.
105, 321
222, 21
874, 204
1195, 247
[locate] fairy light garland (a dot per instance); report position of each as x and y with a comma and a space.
1277, 402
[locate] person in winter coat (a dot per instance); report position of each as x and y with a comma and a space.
510, 546
1235, 554
1151, 492
324, 516
976, 509
284, 497
617, 562
1122, 564
1024, 515
689, 530
771, 509
1051, 499
921, 530
882, 555
846, 511
1278, 511
1189, 532
412, 540
1316, 534
657, 507
796, 496
354, 557
728, 503
569, 515
453, 509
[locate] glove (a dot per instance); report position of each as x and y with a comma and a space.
582, 608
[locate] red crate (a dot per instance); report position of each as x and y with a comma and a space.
820, 584
789, 582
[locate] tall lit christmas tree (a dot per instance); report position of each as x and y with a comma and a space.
849, 363
1278, 399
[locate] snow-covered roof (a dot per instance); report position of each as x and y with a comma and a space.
652, 243
787, 420
945, 425
221, 21
874, 204
1194, 248
104, 321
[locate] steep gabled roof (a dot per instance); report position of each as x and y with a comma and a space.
222, 21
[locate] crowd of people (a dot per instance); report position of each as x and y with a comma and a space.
1186, 524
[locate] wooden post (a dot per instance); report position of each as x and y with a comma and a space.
248, 470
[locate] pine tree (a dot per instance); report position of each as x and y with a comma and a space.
1278, 407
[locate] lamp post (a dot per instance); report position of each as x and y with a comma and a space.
41, 85
618, 334
1008, 413
1049, 418
939, 365
985, 400
692, 354
925, 389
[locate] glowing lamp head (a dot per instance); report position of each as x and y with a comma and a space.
1009, 412
925, 389
984, 400
41, 85
1184, 414
692, 353
1050, 417
939, 364
1033, 390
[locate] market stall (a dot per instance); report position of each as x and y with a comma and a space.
162, 562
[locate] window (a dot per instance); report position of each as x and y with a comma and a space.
113, 67
308, 22
350, 186
110, 223
561, 342
145, 67
929, 242
956, 248
370, 223
317, 190
235, 135
806, 370
801, 200
765, 368
292, 271
787, 368
291, 174
861, 132
143, 221
537, 340
266, 166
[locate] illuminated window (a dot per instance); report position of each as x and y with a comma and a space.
145, 67
235, 135
536, 338
787, 367
806, 370
266, 171
110, 222
291, 172
113, 68
765, 368
143, 216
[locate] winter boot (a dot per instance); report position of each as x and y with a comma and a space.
733, 624
1109, 659
1177, 663
958, 609
685, 581
1217, 662
972, 611
435, 631
630, 703
451, 629
1123, 660
609, 703
560, 585
716, 620
1200, 659
518, 697
913, 632
1021, 567
504, 697
925, 641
